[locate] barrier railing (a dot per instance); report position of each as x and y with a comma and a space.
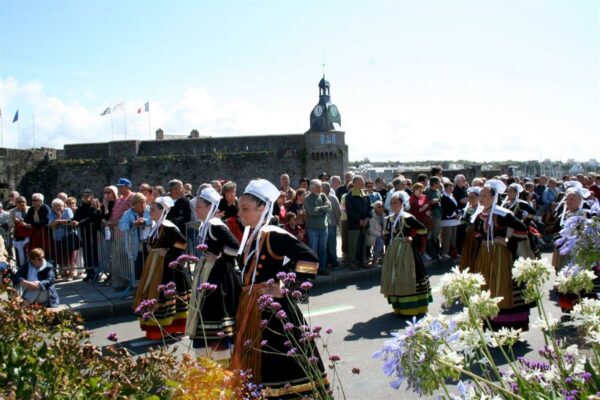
93, 249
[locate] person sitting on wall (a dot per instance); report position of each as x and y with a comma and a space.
37, 280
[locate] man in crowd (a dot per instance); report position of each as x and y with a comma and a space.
181, 212
333, 221
358, 209
284, 186
380, 187
88, 217
123, 203
343, 189
316, 208
434, 196
12, 198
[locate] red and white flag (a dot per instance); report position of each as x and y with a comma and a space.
139, 111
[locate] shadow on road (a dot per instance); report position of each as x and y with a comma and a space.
376, 328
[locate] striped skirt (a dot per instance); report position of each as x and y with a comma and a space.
404, 282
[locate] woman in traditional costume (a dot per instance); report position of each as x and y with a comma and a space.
495, 256
167, 244
572, 205
265, 249
470, 245
524, 212
404, 282
212, 317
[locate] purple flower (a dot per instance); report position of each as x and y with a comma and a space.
182, 259
145, 306
263, 323
147, 315
287, 343
248, 342
173, 264
317, 328
334, 358
356, 370
112, 336
281, 275
296, 294
193, 259
206, 286
281, 314
202, 247
329, 331
220, 334
270, 281
306, 285
291, 352
313, 359
288, 326
263, 343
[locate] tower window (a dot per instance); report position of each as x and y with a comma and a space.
323, 138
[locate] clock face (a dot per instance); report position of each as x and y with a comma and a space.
318, 111
333, 111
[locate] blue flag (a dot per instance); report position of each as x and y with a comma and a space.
16, 118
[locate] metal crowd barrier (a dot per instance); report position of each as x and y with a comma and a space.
97, 250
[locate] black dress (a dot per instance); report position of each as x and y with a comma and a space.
525, 212
217, 265
280, 374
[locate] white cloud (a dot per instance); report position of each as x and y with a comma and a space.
405, 127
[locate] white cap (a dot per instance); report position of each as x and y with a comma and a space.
518, 188
474, 189
401, 194
496, 184
263, 189
165, 201
211, 195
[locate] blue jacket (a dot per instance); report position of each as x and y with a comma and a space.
45, 277
133, 234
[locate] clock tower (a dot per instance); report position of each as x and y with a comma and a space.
326, 149
325, 113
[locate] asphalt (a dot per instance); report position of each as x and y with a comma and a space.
96, 302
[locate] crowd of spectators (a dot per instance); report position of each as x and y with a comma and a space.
82, 237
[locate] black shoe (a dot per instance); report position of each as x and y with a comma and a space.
322, 273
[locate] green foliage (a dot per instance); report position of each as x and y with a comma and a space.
48, 354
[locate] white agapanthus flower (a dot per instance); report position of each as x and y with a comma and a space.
586, 315
506, 337
530, 270
483, 306
460, 285
574, 279
551, 325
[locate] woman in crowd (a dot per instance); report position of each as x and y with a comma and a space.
111, 194
36, 219
167, 244
71, 203
450, 220
297, 206
212, 317
228, 209
404, 281
263, 256
495, 256
64, 238
470, 245
419, 204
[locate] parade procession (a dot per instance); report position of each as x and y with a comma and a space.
161, 238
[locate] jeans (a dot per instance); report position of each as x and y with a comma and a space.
332, 246
378, 248
317, 240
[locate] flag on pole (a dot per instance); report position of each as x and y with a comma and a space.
0, 113
147, 107
105, 112
117, 106
16, 118
139, 111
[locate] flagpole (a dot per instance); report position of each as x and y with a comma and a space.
1, 133
19, 134
124, 121
33, 128
112, 132
149, 129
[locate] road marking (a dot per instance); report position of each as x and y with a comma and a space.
148, 342
327, 310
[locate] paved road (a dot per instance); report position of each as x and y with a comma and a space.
361, 320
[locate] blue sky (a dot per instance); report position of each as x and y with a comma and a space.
413, 80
